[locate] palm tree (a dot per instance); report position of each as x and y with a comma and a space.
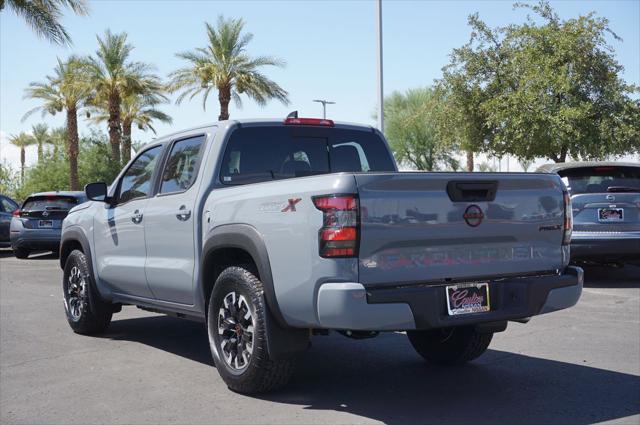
42, 137
138, 109
43, 16
224, 66
21, 141
58, 140
66, 90
113, 77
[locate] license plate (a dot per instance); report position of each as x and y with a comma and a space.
467, 298
610, 214
45, 223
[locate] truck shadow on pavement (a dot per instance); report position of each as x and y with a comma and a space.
611, 277
384, 379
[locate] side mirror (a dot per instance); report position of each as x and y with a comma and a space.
97, 192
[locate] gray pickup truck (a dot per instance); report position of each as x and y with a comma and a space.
273, 231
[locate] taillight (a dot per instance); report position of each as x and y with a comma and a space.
16, 213
338, 236
568, 219
309, 121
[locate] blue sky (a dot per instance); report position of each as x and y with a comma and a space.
329, 47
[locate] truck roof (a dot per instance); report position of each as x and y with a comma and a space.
258, 121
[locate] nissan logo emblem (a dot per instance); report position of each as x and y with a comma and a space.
473, 215
45, 214
611, 198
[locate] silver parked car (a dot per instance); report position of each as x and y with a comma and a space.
606, 209
37, 224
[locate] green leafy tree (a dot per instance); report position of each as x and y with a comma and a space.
547, 88
8, 180
41, 136
525, 164
22, 141
58, 141
67, 90
224, 65
43, 16
114, 77
52, 173
485, 167
411, 128
461, 122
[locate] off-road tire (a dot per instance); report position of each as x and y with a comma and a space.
96, 313
451, 346
21, 253
261, 373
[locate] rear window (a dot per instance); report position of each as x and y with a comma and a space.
256, 154
601, 179
40, 203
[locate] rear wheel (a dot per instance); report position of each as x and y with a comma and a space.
21, 253
237, 334
450, 346
87, 312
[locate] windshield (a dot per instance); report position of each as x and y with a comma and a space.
601, 179
41, 203
256, 154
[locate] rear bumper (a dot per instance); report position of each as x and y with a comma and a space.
36, 239
603, 246
352, 306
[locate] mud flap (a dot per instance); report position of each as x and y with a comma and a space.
284, 343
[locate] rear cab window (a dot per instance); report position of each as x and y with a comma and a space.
257, 154
601, 179
182, 166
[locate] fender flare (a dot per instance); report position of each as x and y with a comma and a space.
76, 234
283, 341
247, 238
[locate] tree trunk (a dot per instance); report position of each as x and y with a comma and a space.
22, 161
470, 164
114, 126
563, 154
40, 154
224, 97
126, 140
72, 147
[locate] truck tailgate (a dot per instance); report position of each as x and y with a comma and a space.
430, 227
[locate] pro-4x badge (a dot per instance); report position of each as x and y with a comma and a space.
292, 205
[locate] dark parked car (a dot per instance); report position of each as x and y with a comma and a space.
38, 222
7, 207
606, 209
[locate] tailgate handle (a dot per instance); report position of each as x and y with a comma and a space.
472, 191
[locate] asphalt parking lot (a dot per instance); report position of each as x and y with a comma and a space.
577, 366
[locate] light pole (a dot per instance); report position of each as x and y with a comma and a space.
324, 106
380, 88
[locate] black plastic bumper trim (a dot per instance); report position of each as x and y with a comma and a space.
511, 299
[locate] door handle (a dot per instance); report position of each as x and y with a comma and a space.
183, 213
137, 217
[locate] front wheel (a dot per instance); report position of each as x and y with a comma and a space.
450, 346
237, 334
87, 312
